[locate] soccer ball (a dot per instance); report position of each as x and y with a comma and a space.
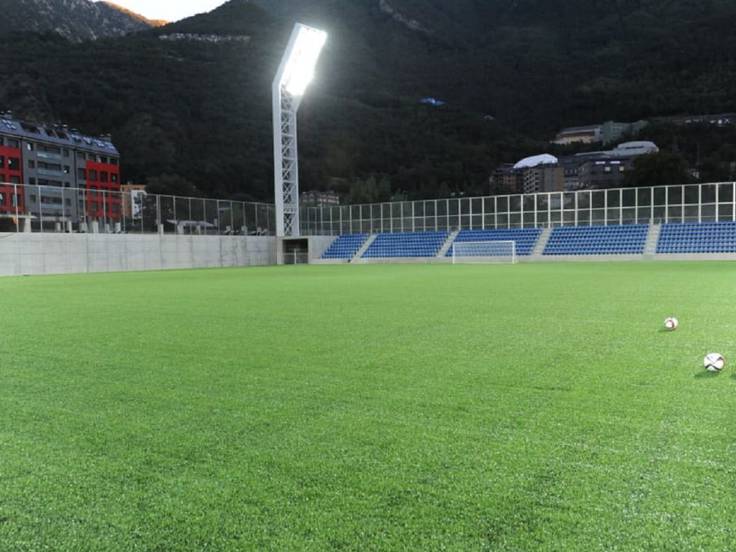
671, 323
714, 362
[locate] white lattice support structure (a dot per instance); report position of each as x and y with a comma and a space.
292, 79
286, 173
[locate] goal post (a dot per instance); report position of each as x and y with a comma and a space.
487, 251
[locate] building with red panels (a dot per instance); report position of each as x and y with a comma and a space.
66, 176
11, 174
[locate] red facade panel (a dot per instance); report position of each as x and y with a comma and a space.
103, 191
11, 172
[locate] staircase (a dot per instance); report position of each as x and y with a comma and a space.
364, 247
650, 249
538, 250
448, 244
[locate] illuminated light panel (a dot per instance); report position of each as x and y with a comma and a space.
299, 69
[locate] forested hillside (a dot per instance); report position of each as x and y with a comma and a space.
188, 114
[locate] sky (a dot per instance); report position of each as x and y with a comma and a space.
170, 10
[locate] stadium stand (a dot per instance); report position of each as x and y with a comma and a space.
598, 240
525, 238
710, 237
406, 245
345, 247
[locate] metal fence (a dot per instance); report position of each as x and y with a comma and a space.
59, 209
678, 204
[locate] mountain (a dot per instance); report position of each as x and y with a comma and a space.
189, 103
137, 16
75, 20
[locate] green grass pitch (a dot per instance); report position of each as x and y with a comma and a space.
528, 407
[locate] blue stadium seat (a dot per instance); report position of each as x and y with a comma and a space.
598, 240
708, 237
406, 245
345, 247
525, 238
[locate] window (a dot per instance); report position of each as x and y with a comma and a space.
44, 182
13, 163
66, 153
113, 160
31, 164
29, 146
15, 180
66, 169
32, 181
82, 174
92, 174
103, 176
2, 162
113, 177
81, 155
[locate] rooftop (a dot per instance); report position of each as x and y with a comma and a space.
55, 134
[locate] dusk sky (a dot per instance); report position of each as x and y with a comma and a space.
170, 10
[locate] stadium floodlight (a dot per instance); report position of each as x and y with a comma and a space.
295, 74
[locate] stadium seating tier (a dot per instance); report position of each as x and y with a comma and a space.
598, 240
709, 237
406, 245
345, 247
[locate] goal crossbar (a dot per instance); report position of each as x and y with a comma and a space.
485, 251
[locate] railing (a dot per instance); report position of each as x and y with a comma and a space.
30, 208
682, 203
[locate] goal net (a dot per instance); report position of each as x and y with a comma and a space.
484, 252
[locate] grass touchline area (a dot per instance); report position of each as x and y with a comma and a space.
527, 407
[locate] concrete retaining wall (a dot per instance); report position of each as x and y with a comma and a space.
22, 253
318, 245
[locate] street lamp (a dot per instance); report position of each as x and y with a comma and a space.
295, 74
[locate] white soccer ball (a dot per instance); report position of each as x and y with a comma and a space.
671, 323
714, 362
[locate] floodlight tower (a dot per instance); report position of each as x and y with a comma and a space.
295, 74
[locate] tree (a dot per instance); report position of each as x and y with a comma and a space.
658, 169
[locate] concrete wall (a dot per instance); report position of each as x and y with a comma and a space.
24, 253
318, 245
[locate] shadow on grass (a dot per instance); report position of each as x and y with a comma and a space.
705, 374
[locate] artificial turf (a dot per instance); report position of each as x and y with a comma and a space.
528, 407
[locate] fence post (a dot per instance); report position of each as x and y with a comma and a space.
651, 204
40, 210
15, 200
